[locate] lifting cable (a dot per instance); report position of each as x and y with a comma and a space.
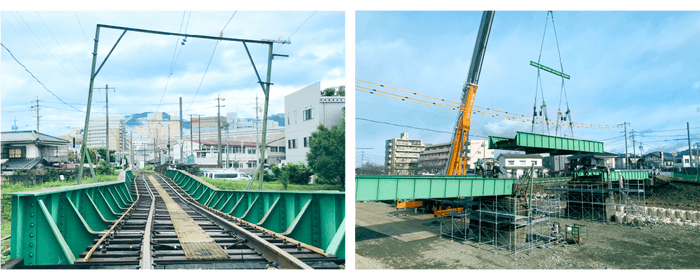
566, 114
538, 85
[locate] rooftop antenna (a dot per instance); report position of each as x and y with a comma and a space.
14, 127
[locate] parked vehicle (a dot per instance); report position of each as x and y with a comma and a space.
229, 175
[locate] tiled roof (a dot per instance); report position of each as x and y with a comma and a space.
29, 136
21, 164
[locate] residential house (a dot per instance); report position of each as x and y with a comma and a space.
516, 165
597, 160
25, 150
660, 160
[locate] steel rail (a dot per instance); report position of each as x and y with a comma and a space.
114, 225
146, 262
264, 230
269, 251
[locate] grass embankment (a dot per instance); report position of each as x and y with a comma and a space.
6, 214
269, 186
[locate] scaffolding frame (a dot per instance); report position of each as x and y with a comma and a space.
589, 200
506, 223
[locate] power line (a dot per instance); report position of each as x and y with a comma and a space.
81, 29
520, 118
49, 51
30, 73
290, 36
408, 126
295, 31
229, 20
51, 69
59, 45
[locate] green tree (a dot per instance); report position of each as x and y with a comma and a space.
283, 177
328, 91
327, 153
104, 169
340, 91
299, 173
103, 154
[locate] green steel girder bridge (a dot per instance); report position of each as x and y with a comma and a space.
373, 188
148, 221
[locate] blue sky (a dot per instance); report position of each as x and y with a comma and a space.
59, 55
635, 67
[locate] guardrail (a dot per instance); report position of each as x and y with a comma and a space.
316, 218
53, 226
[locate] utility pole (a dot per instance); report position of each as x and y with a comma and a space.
191, 140
168, 156
218, 125
257, 147
107, 122
36, 107
182, 143
227, 144
131, 150
199, 131
627, 155
690, 149
634, 145
697, 161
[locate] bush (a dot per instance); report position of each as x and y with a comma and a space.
104, 169
268, 177
297, 173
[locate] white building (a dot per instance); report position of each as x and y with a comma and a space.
241, 155
305, 110
97, 133
433, 160
515, 165
401, 155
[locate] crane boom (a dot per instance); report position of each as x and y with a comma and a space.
458, 160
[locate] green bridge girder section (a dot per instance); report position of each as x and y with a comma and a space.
532, 143
369, 188
315, 218
615, 175
53, 226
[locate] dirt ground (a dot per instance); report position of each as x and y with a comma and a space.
610, 246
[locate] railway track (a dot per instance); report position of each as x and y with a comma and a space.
167, 229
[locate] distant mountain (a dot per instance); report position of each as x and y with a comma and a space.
139, 119
279, 118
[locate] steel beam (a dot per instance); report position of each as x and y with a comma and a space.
53, 226
315, 219
368, 188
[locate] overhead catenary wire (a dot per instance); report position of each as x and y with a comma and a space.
209, 63
173, 61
